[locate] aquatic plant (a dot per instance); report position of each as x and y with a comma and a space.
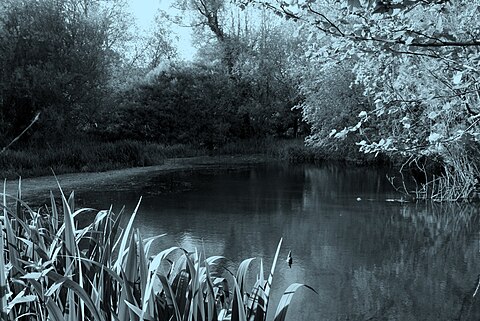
54, 269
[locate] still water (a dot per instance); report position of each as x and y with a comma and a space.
368, 259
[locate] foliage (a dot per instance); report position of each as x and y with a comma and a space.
78, 64
331, 102
53, 60
264, 61
198, 104
64, 59
54, 270
252, 47
417, 62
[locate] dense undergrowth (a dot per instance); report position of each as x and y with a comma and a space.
54, 270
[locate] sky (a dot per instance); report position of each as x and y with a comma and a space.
144, 12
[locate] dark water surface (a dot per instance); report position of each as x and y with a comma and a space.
368, 260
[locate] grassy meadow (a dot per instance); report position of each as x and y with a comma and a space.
52, 269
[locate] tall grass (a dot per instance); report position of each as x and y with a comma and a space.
79, 156
85, 155
52, 269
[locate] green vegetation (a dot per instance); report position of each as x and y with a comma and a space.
87, 157
333, 73
101, 108
78, 156
53, 270
398, 78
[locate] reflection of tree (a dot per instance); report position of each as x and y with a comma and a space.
391, 261
333, 182
440, 222
431, 276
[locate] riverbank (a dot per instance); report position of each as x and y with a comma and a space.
83, 155
40, 187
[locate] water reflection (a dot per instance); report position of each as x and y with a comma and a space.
368, 259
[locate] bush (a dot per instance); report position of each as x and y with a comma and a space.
197, 105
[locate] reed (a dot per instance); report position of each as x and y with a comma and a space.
52, 269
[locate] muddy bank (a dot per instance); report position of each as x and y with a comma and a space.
38, 188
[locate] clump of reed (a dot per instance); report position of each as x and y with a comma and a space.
52, 269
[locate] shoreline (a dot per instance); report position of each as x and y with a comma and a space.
40, 187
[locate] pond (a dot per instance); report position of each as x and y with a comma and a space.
368, 257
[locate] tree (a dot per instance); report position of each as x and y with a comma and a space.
216, 25
266, 62
418, 64
56, 57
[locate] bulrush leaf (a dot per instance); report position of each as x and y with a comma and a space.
256, 304
54, 312
142, 263
126, 297
53, 288
71, 201
268, 285
123, 312
131, 264
148, 242
143, 271
18, 202
18, 220
79, 291
223, 315
242, 272
171, 302
69, 235
3, 281
135, 309
110, 272
54, 211
210, 295
95, 295
197, 294
287, 296
11, 238
238, 310
20, 298
111, 230
71, 309
212, 259
152, 271
257, 300
5, 199
126, 236
180, 286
